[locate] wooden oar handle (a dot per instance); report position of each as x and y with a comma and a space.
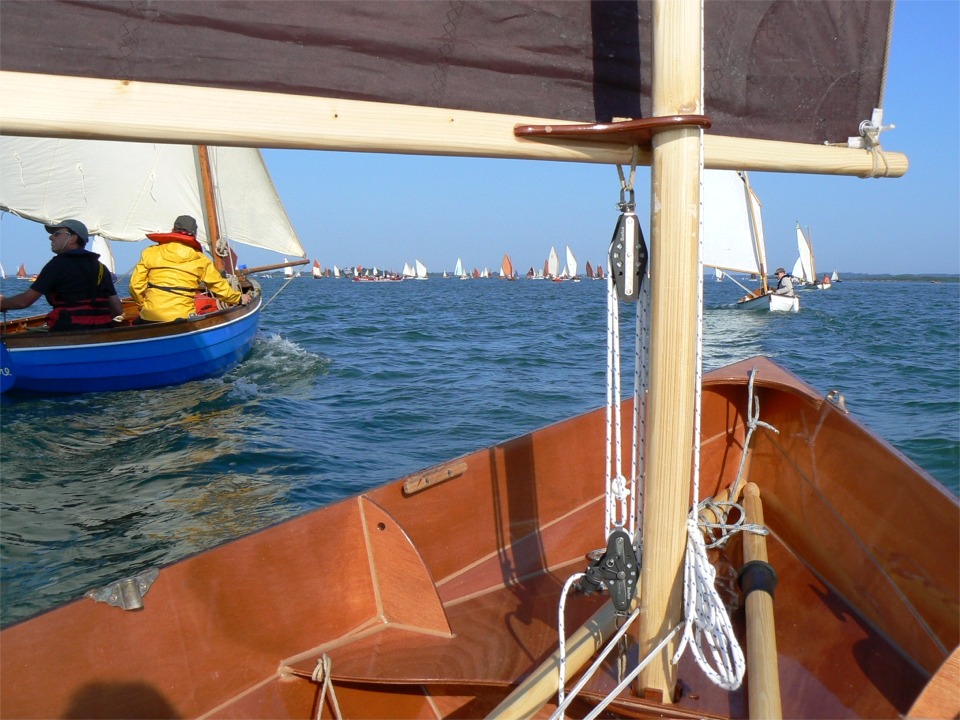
757, 580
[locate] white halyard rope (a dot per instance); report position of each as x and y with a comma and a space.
616, 513
562, 633
321, 674
753, 421
631, 676
564, 703
641, 378
706, 628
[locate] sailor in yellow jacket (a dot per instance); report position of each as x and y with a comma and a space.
169, 275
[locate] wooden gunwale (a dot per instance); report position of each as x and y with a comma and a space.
16, 334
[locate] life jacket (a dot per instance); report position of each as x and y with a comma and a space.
83, 314
182, 238
80, 315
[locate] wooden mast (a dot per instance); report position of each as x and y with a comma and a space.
210, 206
674, 264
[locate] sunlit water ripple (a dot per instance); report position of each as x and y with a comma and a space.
369, 382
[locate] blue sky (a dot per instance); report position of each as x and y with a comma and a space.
384, 210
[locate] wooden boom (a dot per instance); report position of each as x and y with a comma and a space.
125, 110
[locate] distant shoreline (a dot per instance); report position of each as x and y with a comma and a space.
870, 277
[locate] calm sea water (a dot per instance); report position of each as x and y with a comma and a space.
353, 384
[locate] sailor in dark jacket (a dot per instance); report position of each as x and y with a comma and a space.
75, 283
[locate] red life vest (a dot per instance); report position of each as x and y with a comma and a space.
182, 238
82, 315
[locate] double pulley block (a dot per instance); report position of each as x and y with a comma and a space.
617, 569
628, 251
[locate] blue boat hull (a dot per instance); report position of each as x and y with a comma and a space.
128, 358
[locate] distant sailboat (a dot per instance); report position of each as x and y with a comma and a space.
571, 269
317, 271
506, 268
22, 272
458, 270
408, 271
336, 272
589, 270
835, 277
552, 269
421, 270
805, 269
287, 271
733, 236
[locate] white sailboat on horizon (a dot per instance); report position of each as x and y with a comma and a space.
552, 267
571, 270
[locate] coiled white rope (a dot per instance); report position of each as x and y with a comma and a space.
706, 619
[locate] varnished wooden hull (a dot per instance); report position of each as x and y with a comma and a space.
436, 603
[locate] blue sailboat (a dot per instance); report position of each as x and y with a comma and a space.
124, 191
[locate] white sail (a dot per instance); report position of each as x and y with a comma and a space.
421, 270
458, 270
553, 264
287, 271
797, 271
835, 277
408, 271
813, 260
336, 271
124, 190
102, 248
732, 241
571, 263
805, 261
